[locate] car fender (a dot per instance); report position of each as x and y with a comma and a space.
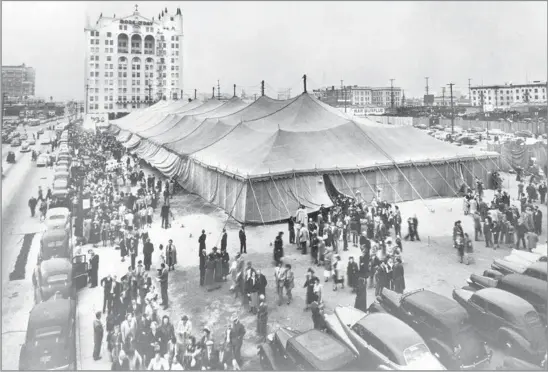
437, 346
376, 307
265, 350
518, 342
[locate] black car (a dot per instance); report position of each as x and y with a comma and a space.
50, 341
11, 157
515, 364
59, 276
441, 322
55, 243
507, 320
312, 350
537, 270
530, 289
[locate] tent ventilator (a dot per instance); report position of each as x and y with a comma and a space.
256, 201
413, 187
426, 179
347, 185
390, 184
368, 184
448, 184
281, 198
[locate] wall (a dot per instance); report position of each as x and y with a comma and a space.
502, 125
391, 120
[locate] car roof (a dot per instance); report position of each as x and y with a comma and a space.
55, 311
510, 301
400, 337
442, 308
57, 211
527, 283
55, 265
56, 234
322, 350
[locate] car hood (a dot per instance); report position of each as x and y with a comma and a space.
462, 296
391, 297
483, 281
348, 315
508, 266
54, 357
426, 362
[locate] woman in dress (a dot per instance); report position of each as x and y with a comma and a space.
225, 260
210, 270
318, 290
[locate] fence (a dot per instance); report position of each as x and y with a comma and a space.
391, 120
534, 127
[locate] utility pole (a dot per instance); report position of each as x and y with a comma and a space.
304, 82
469, 90
344, 94
262, 88
218, 90
213, 95
392, 93
452, 111
195, 91
443, 96
234, 91
426, 78
255, 96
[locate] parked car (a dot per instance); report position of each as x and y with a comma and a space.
441, 322
530, 289
524, 134
537, 270
31, 141
11, 157
61, 175
59, 275
24, 136
60, 168
507, 320
15, 142
63, 162
57, 218
382, 341
524, 257
55, 243
42, 160
45, 140
60, 184
50, 342
287, 349
468, 140
41, 131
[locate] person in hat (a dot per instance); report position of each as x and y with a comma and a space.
218, 265
243, 240
309, 285
171, 255
352, 274
278, 248
98, 332
224, 239
338, 273
94, 268
158, 363
398, 277
237, 334
210, 270
262, 318
225, 263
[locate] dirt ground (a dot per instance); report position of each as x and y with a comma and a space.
431, 264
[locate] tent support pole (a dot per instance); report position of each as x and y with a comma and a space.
368, 184
389, 184
256, 201
469, 171
281, 198
481, 165
426, 179
459, 175
347, 185
296, 190
443, 178
413, 187
232, 210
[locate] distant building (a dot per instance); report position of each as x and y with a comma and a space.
18, 81
133, 61
360, 96
506, 95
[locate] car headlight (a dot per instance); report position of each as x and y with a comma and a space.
270, 337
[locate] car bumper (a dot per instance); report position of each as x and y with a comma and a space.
478, 364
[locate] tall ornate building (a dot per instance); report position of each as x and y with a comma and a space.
133, 61
18, 81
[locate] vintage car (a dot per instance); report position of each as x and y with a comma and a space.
11, 157
59, 275
61, 168
63, 162
16, 142
25, 147
537, 270
50, 342
24, 136
60, 184
55, 243
441, 322
530, 289
525, 257
287, 349
45, 140
61, 175
40, 131
31, 141
63, 156
506, 319
57, 218
366, 334
42, 160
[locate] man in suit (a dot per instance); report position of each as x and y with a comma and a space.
209, 357
94, 268
237, 334
163, 285
106, 283
202, 242
537, 220
261, 283
97, 336
243, 240
224, 239
203, 260
148, 248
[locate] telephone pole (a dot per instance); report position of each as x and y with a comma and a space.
469, 90
452, 111
344, 94
234, 91
391, 93
218, 90
195, 91
213, 95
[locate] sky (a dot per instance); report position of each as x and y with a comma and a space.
361, 43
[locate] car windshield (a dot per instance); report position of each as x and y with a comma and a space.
46, 335
58, 278
57, 217
415, 353
55, 244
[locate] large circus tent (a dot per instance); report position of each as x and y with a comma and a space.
260, 161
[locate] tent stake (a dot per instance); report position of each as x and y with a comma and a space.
426, 179
443, 178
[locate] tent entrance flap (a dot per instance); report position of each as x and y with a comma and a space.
332, 190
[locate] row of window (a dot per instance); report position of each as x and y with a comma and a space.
509, 91
509, 98
96, 50
96, 33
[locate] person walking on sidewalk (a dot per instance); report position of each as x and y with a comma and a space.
163, 285
97, 336
243, 240
32, 205
148, 249
94, 268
